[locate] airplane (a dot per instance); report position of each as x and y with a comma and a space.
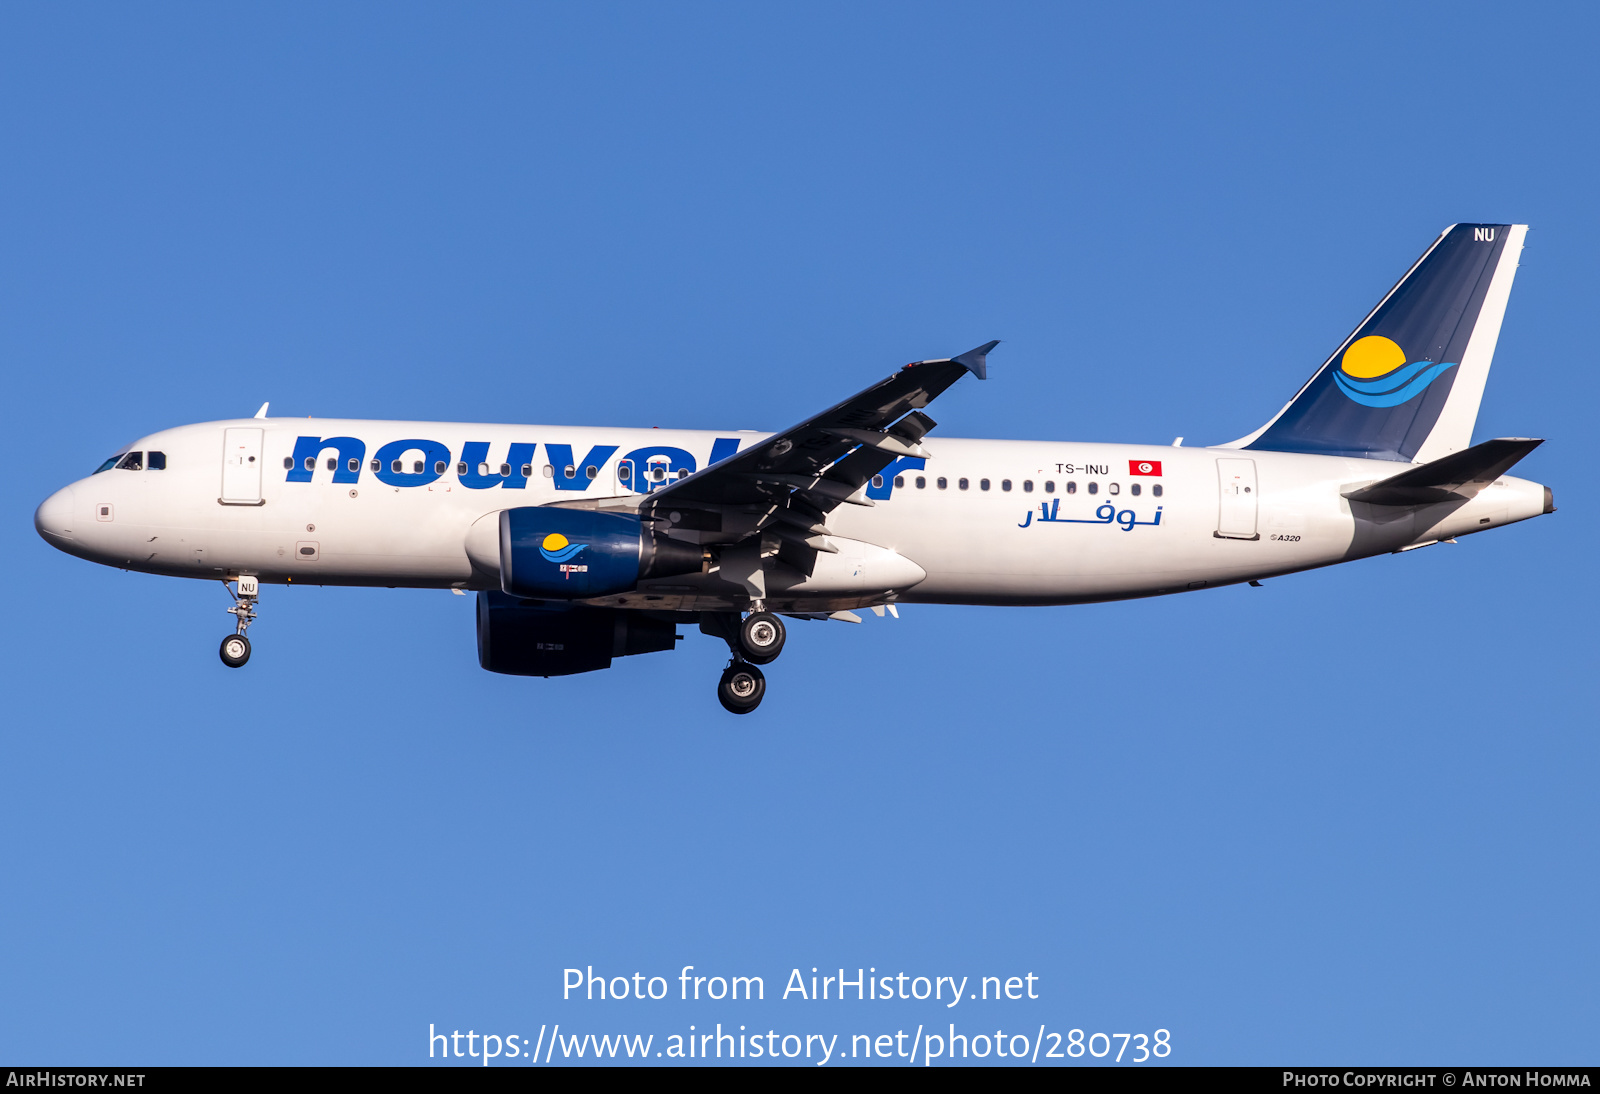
583, 545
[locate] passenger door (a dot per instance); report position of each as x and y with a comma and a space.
1236, 516
241, 466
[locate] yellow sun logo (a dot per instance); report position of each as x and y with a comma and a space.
1374, 372
1372, 356
555, 547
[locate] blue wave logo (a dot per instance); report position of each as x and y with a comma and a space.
1374, 372
555, 548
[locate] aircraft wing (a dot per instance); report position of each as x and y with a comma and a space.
806, 471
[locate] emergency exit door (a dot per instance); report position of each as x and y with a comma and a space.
1236, 511
241, 466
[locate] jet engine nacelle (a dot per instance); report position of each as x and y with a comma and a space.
550, 553
554, 638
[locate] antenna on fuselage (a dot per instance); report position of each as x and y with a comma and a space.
262, 413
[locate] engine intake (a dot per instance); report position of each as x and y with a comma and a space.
544, 638
572, 554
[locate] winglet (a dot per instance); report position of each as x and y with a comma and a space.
262, 413
976, 361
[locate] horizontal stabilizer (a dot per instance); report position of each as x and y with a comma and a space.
1457, 476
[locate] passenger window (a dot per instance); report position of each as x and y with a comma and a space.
983, 484
416, 467
1134, 489
527, 470
461, 468
505, 471
1113, 488
1072, 487
572, 472
549, 472
439, 466
922, 483
158, 461
133, 461
900, 481
591, 471
624, 470
1155, 490
333, 463
376, 466
683, 473
1027, 486
941, 482
311, 463
395, 466
1094, 488
288, 463
961, 484
355, 464
1005, 484
877, 482
1049, 486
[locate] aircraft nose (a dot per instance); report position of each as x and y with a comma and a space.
53, 520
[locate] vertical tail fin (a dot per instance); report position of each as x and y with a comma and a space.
1406, 384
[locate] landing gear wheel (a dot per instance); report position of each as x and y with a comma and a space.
761, 637
741, 688
235, 651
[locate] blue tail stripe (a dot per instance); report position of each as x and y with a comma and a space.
1389, 381
1400, 395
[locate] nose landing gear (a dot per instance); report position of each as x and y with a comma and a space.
235, 649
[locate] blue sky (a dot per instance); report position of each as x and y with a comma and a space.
1349, 816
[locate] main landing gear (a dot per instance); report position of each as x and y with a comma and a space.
741, 688
761, 637
235, 650
757, 640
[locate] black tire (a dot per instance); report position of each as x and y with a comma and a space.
234, 651
741, 688
761, 638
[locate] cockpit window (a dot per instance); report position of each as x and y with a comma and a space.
133, 461
109, 464
157, 461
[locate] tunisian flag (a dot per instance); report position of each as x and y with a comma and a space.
1144, 467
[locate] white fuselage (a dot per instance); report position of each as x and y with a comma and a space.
1058, 523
